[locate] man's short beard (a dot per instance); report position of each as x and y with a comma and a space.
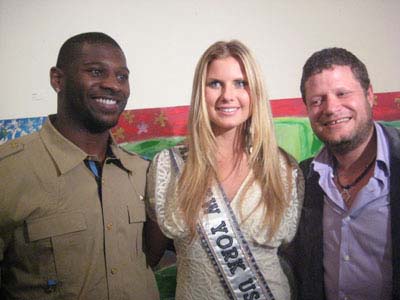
96, 126
346, 145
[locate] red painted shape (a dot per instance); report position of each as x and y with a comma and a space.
151, 123
387, 106
293, 107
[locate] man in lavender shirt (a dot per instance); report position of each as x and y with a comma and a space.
348, 242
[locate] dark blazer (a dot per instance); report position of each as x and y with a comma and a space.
305, 253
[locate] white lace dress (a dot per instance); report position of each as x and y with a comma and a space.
196, 277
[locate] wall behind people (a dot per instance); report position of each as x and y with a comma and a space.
163, 40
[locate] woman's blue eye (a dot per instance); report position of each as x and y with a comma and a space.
214, 84
240, 83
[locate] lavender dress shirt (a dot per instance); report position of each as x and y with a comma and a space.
357, 241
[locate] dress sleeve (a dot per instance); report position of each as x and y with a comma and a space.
156, 177
161, 204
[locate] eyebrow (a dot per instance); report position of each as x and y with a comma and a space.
89, 63
235, 79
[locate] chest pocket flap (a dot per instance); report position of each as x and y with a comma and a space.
136, 213
55, 225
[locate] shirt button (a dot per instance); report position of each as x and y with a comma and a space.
348, 219
114, 271
103, 181
109, 226
346, 257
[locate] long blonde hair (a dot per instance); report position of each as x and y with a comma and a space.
258, 132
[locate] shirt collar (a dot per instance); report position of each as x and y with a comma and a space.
323, 162
120, 155
67, 155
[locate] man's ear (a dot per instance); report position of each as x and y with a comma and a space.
370, 96
57, 79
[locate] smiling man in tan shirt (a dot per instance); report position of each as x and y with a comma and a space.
71, 201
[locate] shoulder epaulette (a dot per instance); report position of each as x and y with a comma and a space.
15, 146
10, 148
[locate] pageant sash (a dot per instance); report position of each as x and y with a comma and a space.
228, 250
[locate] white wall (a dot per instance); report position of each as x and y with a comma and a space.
164, 39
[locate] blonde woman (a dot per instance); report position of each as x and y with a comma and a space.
230, 197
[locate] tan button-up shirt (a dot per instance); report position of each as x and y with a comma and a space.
57, 239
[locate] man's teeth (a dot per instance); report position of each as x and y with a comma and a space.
106, 101
227, 109
338, 121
